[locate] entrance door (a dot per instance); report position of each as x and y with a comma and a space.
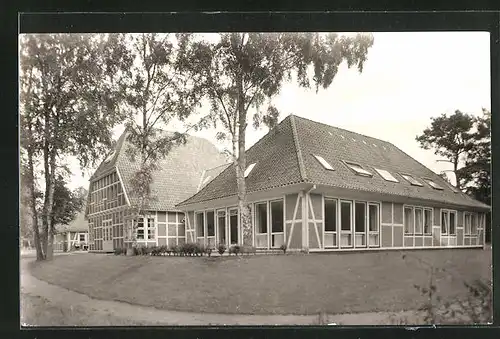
233, 225
221, 227
107, 244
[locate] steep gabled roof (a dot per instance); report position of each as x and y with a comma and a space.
286, 156
79, 224
178, 175
276, 164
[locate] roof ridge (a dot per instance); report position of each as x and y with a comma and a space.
342, 129
302, 167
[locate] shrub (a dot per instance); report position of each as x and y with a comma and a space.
176, 250
120, 251
189, 248
221, 248
155, 251
163, 249
199, 249
236, 249
209, 250
283, 248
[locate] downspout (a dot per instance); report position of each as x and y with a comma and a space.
305, 217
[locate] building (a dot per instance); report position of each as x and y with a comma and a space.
319, 188
180, 175
73, 236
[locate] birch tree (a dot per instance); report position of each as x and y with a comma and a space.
241, 73
68, 105
156, 91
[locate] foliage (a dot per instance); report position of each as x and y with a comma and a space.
245, 71
476, 308
463, 138
69, 89
120, 251
221, 248
283, 248
234, 249
67, 203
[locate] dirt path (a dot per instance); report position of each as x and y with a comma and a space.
104, 312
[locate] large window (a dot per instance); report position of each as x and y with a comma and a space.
200, 227
408, 220
427, 221
346, 223
261, 217
448, 222
210, 224
221, 224
140, 229
373, 224
360, 224
277, 216
330, 215
151, 229
471, 223
419, 221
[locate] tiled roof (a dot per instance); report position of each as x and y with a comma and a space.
79, 224
285, 156
179, 173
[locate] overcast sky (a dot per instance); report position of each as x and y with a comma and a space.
407, 79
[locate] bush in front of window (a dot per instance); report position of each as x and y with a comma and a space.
283, 248
221, 248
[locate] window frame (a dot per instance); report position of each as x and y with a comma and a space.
351, 223
335, 233
365, 226
415, 182
383, 176
448, 225
415, 208
412, 218
433, 184
213, 223
282, 215
358, 169
249, 169
326, 165
370, 232
257, 219
431, 220
196, 221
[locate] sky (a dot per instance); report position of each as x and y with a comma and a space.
408, 79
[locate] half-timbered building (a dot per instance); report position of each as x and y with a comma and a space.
111, 222
316, 187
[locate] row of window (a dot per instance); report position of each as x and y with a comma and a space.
358, 220
386, 175
205, 223
104, 181
108, 193
418, 221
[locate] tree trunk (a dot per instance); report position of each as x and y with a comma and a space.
48, 227
455, 170
241, 166
34, 215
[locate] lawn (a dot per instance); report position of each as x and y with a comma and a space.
275, 284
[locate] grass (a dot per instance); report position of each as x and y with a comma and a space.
38, 311
292, 284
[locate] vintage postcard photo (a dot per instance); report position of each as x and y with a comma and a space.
319, 178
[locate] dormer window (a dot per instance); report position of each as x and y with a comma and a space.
411, 180
358, 169
386, 175
249, 169
323, 162
108, 159
433, 184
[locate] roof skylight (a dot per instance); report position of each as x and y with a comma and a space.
386, 175
358, 169
323, 162
412, 180
433, 184
364, 142
374, 145
330, 133
249, 169
353, 139
342, 136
